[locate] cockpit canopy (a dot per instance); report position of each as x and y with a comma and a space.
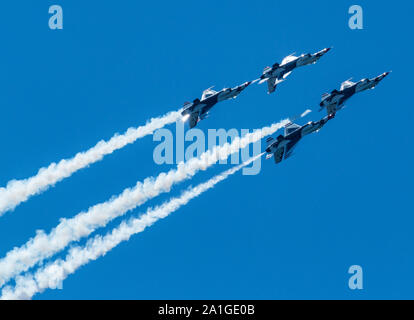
288, 59
208, 93
347, 84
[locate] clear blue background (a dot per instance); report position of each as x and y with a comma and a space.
290, 232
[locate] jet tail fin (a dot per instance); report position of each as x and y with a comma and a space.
266, 69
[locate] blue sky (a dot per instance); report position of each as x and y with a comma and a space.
290, 232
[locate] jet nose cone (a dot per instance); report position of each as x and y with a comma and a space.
384, 75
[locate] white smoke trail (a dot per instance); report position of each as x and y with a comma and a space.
52, 275
305, 113
44, 245
18, 191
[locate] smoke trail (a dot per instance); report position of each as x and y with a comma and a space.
305, 113
45, 245
53, 274
18, 191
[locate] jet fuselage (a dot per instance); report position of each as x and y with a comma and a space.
210, 98
279, 71
338, 98
291, 139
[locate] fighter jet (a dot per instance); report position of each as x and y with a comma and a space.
282, 147
199, 109
278, 72
334, 101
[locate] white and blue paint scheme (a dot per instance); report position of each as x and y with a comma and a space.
334, 101
282, 147
279, 72
199, 109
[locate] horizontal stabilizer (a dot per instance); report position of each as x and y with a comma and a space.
269, 140
266, 69
324, 96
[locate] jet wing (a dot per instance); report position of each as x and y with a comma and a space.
289, 149
285, 152
278, 154
193, 119
271, 85
331, 108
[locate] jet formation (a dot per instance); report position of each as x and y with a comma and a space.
282, 147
